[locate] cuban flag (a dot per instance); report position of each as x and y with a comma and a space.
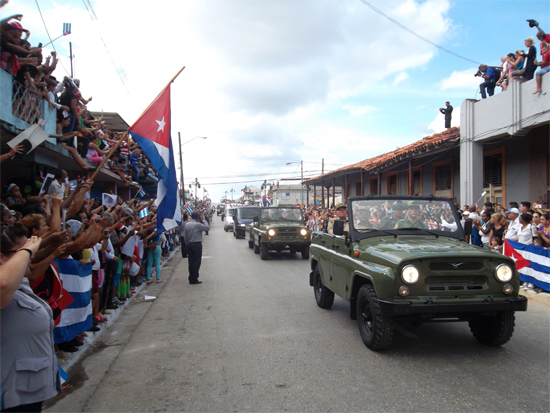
152, 133
532, 262
188, 208
66, 29
76, 317
141, 192
144, 212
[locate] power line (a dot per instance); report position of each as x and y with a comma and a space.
416, 34
119, 70
49, 37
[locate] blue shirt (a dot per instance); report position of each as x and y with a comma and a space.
491, 72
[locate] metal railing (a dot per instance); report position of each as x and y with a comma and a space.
26, 104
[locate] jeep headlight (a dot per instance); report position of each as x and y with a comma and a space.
242, 225
271, 232
504, 273
410, 274
303, 231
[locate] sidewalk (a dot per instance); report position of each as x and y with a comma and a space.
93, 337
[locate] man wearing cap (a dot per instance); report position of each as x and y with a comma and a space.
412, 219
192, 235
341, 214
389, 221
515, 226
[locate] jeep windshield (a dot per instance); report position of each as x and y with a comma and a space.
404, 215
281, 214
247, 213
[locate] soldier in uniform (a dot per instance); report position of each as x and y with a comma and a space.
389, 221
361, 218
342, 214
413, 217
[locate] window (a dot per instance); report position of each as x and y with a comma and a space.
357, 188
417, 181
391, 183
285, 195
373, 185
443, 178
492, 170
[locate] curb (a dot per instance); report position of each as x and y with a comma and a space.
94, 336
541, 299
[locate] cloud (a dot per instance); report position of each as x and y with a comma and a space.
400, 78
266, 81
358, 110
438, 124
461, 80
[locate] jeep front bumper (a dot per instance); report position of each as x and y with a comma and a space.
408, 308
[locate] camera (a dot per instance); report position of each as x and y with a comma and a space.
478, 73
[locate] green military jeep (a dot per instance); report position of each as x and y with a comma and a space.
278, 229
405, 259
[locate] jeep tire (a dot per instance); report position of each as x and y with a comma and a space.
323, 296
494, 331
264, 251
256, 248
305, 253
250, 244
376, 329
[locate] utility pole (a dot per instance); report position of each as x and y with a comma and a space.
182, 199
71, 56
322, 186
302, 182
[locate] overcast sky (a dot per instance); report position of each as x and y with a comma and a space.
271, 82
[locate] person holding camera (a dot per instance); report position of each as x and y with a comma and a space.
448, 112
489, 74
193, 241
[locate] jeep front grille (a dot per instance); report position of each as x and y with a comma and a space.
463, 280
456, 266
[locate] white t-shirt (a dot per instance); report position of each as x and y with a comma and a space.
525, 236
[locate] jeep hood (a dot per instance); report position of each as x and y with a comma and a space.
282, 224
392, 251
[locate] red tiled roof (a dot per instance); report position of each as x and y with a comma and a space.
423, 145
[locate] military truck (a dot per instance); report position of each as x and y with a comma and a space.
278, 229
405, 260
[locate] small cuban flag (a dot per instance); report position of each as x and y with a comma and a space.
66, 29
141, 192
144, 212
188, 208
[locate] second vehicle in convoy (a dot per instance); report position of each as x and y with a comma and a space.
227, 218
278, 229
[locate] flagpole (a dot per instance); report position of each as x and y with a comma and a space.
160, 93
53, 40
111, 152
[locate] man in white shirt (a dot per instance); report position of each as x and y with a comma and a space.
514, 227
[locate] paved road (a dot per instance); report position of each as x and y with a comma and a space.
251, 338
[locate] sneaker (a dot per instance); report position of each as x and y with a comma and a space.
106, 312
132, 290
530, 286
116, 301
111, 306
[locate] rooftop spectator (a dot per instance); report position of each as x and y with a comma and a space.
488, 86
544, 65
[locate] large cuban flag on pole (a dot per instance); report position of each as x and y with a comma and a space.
532, 263
152, 133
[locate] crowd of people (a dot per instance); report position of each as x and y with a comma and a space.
518, 66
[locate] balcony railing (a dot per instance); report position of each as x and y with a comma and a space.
21, 108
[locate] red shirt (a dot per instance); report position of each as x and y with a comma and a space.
546, 60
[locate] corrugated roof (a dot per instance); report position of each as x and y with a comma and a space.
426, 144
113, 120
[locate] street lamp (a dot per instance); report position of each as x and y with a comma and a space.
301, 180
181, 163
232, 190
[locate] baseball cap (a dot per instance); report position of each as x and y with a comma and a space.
513, 211
338, 206
17, 25
195, 215
466, 213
